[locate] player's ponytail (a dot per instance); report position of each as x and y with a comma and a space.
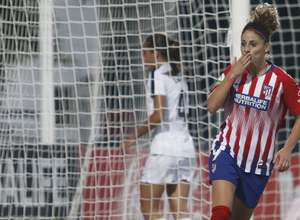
264, 20
174, 54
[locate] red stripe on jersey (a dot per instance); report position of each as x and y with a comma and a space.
267, 148
258, 148
250, 125
260, 126
276, 111
237, 108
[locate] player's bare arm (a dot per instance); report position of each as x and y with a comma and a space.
282, 158
153, 121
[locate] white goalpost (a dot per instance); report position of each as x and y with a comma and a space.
72, 89
240, 11
46, 57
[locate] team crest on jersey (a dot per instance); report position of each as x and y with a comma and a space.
213, 167
267, 90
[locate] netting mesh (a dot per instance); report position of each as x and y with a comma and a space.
98, 94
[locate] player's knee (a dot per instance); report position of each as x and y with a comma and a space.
145, 206
221, 213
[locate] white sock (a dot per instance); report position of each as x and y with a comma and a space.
161, 219
185, 219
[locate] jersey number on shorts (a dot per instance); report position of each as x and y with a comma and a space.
216, 153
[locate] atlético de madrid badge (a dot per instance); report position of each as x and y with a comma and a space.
213, 167
267, 90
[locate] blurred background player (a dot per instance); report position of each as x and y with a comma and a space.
256, 95
170, 165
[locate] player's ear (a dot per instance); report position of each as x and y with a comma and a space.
267, 47
157, 54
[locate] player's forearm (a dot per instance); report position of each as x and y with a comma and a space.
294, 136
151, 123
216, 99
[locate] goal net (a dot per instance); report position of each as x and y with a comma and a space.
72, 89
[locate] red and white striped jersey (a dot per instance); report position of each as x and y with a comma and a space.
254, 111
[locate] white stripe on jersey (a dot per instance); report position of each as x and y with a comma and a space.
254, 139
275, 114
244, 129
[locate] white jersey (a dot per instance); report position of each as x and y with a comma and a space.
171, 137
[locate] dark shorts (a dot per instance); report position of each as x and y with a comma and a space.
249, 186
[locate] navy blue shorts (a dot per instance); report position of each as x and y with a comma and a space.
249, 186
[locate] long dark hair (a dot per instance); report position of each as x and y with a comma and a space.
171, 51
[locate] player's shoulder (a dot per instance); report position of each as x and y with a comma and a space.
279, 71
165, 69
281, 74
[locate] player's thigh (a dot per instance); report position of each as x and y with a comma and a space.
250, 188
151, 193
240, 211
223, 193
145, 191
184, 189
150, 198
178, 198
180, 190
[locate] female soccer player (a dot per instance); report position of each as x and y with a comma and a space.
170, 165
256, 95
